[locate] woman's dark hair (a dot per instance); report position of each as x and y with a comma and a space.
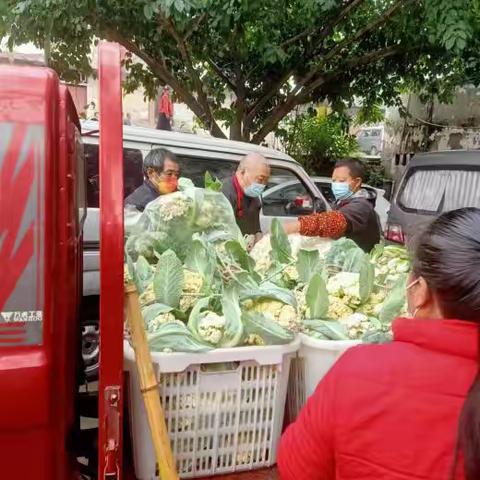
447, 257
355, 167
156, 159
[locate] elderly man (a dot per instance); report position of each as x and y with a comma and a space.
243, 191
161, 172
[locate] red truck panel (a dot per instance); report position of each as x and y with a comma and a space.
39, 233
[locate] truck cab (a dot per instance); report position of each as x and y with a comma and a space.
42, 211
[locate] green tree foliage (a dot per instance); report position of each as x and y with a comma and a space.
318, 142
273, 55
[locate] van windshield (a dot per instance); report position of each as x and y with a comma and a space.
431, 191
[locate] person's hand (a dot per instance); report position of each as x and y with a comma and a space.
291, 227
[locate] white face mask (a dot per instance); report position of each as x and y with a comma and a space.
414, 314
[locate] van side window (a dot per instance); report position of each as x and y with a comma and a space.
430, 191
132, 172
286, 195
194, 168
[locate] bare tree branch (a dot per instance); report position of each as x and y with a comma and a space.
297, 37
222, 75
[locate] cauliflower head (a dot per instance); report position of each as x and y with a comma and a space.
356, 325
338, 309
211, 327
285, 315
344, 283
192, 286
254, 339
160, 320
148, 296
173, 206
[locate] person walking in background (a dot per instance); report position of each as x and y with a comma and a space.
165, 111
127, 120
409, 409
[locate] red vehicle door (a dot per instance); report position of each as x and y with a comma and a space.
111, 264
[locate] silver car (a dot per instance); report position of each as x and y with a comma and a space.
287, 200
370, 140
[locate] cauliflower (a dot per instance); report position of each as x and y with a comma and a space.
211, 327
193, 281
291, 273
300, 297
249, 242
344, 283
288, 318
159, 320
356, 324
148, 296
337, 308
254, 339
173, 206
261, 254
191, 289
285, 315
374, 305
207, 215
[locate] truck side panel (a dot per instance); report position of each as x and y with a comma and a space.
33, 392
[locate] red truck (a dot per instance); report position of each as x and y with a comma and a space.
42, 211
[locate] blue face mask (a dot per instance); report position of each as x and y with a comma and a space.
341, 190
254, 190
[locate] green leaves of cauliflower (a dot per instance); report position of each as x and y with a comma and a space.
308, 264
211, 184
267, 329
281, 248
395, 302
317, 298
169, 280
177, 337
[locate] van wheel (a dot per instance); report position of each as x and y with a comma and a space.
91, 349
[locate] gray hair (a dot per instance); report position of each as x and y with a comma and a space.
156, 160
252, 158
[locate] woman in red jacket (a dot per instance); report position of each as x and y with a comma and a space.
410, 409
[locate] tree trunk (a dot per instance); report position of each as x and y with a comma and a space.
236, 130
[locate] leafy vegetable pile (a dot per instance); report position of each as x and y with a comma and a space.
200, 289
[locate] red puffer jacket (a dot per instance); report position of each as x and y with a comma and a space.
387, 412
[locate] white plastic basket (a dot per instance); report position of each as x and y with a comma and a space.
319, 356
219, 421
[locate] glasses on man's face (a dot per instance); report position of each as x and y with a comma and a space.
170, 174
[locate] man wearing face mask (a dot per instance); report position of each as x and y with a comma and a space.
353, 215
243, 191
161, 172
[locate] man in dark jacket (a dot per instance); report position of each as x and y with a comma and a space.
353, 216
243, 191
160, 172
